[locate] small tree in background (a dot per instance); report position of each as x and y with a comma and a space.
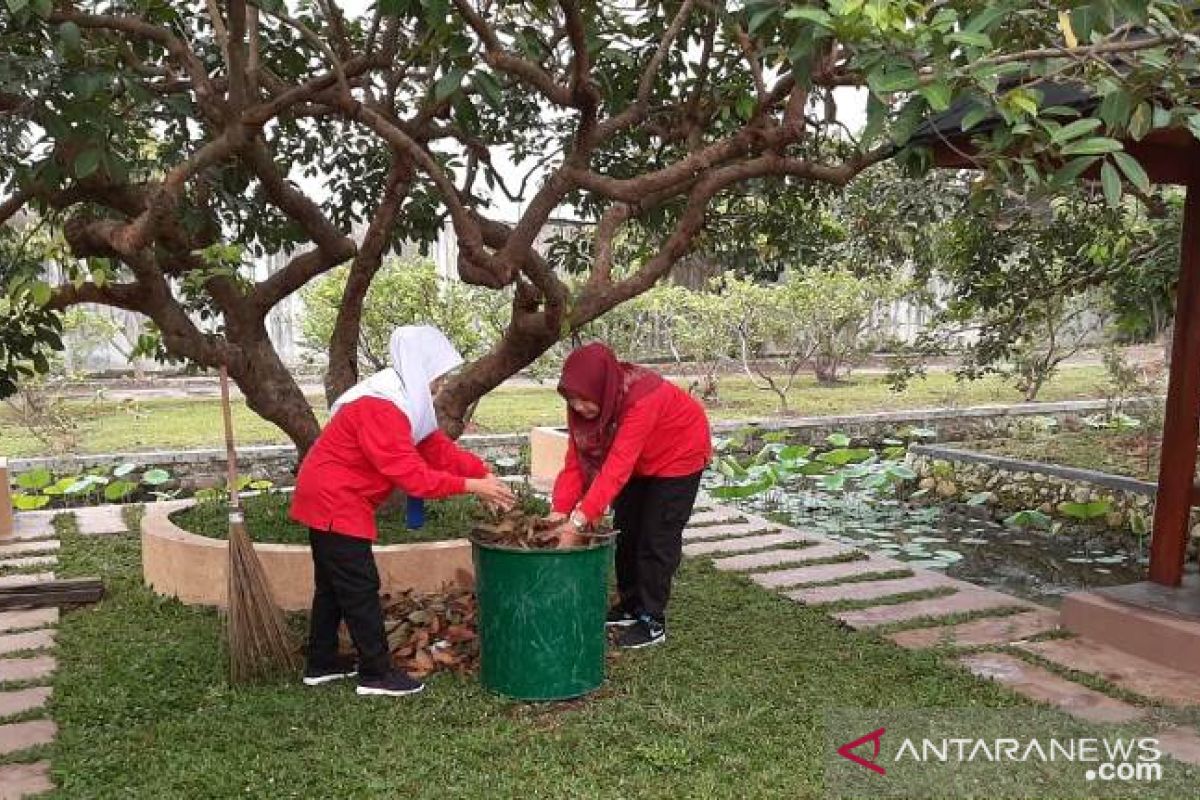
405, 294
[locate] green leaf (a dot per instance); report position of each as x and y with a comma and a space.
979, 498
760, 18
838, 440
876, 116
119, 490
1083, 22
795, 452
1133, 171
40, 293
86, 163
900, 79
1074, 130
1141, 122
834, 483
1111, 182
1096, 146
156, 477
1086, 511
981, 40
16, 5
449, 84
1029, 518
1074, 169
489, 88
938, 93
975, 116
812, 14
986, 18
30, 502
59, 488
123, 470
1115, 109
35, 479
902, 472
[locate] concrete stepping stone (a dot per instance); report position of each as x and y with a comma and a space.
101, 520
1044, 686
725, 531
17, 549
871, 590
19, 701
25, 562
1182, 744
775, 558
990, 631
18, 736
18, 781
959, 603
825, 573
27, 669
30, 640
34, 525
1134, 674
744, 543
29, 577
29, 618
714, 516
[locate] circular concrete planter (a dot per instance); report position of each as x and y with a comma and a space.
194, 568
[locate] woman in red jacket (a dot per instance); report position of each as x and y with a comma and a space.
382, 435
643, 443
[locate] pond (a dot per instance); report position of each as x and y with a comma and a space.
962, 541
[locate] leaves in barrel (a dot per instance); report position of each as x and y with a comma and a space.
432, 632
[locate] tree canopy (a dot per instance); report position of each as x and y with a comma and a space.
174, 142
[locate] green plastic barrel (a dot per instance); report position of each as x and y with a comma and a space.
541, 619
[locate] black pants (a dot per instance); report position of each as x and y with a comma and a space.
650, 515
347, 588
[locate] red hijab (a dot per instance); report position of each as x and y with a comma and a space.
593, 373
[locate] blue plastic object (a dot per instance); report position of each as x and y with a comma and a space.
415, 513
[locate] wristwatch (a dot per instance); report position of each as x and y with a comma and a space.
578, 519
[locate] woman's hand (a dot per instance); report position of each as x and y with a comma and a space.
568, 536
555, 518
492, 491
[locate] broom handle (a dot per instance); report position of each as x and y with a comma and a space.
230, 452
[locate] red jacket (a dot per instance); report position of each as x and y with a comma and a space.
664, 435
364, 453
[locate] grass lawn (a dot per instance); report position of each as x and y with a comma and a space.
1131, 453
178, 424
731, 707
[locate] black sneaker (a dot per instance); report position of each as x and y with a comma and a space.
646, 631
618, 617
394, 684
343, 668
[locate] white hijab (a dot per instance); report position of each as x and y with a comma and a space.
420, 355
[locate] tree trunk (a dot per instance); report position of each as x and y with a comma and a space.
525, 340
272, 393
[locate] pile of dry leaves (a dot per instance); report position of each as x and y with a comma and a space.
518, 528
432, 632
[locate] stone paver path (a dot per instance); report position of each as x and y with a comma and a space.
782, 561
870, 590
27, 562
100, 520
1129, 672
26, 660
744, 543
17, 549
988, 631
1041, 684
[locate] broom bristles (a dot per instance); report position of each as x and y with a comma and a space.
260, 644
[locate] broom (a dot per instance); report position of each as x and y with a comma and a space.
260, 645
